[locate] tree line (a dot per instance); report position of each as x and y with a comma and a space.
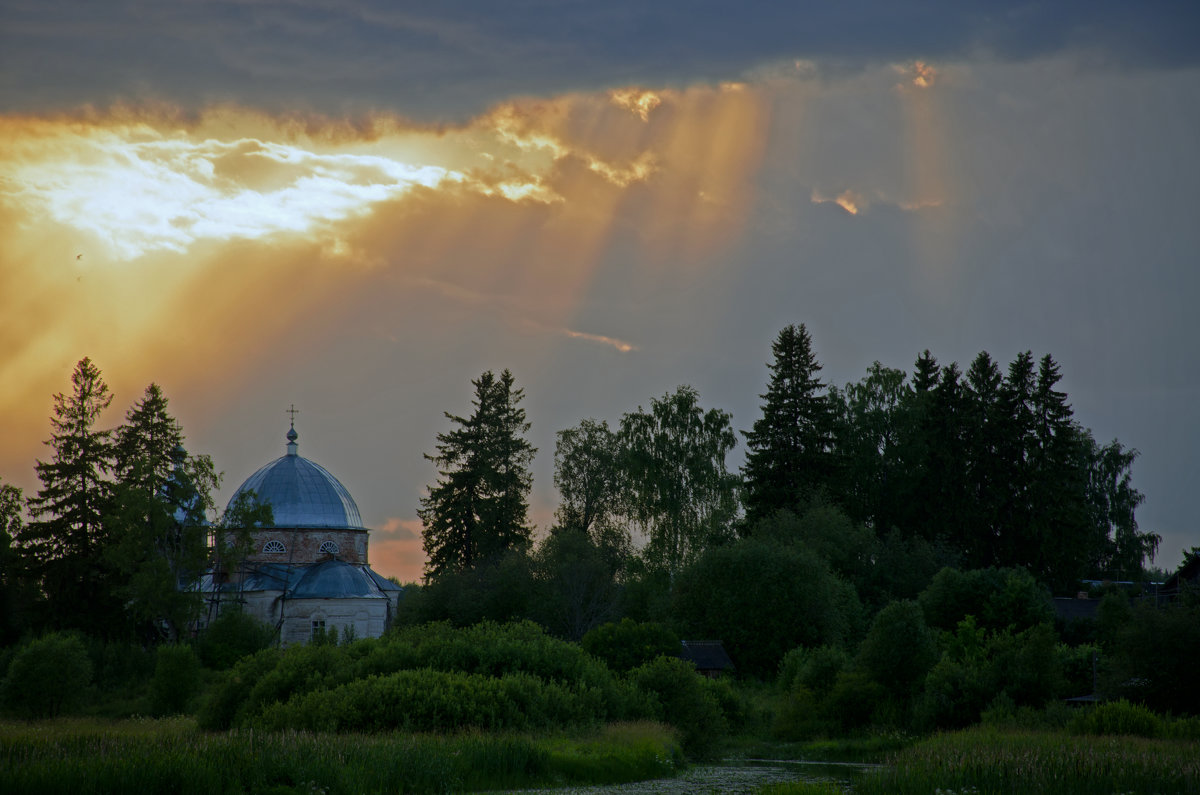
122, 527
861, 492
989, 467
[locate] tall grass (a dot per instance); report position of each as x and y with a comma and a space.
986, 761
149, 756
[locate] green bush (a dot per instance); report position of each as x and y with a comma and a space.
628, 644
977, 667
682, 700
799, 716
435, 701
47, 677
854, 700
230, 637
1150, 657
736, 708
228, 696
1026, 665
1078, 665
762, 599
570, 686
299, 670
176, 679
899, 649
119, 666
998, 598
813, 669
956, 691
1119, 717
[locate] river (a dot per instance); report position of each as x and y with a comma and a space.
743, 777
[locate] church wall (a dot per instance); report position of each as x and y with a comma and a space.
263, 605
303, 546
367, 616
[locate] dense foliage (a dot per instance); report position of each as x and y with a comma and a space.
440, 678
47, 677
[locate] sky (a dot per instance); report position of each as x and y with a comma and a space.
357, 207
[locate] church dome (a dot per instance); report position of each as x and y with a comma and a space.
302, 493
333, 579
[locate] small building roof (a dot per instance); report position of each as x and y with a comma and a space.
1069, 609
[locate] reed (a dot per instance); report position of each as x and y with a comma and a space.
984, 761
81, 757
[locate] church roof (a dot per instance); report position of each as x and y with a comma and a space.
334, 579
302, 493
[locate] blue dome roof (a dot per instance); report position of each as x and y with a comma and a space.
302, 493
333, 579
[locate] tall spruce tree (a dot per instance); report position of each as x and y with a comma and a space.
986, 468
63, 543
162, 497
478, 508
788, 456
144, 447
1061, 537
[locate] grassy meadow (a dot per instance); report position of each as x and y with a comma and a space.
80, 756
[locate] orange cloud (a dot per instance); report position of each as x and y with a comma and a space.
636, 100
213, 243
917, 74
848, 200
854, 202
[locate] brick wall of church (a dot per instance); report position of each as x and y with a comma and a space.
303, 546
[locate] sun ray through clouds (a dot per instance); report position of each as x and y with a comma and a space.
185, 244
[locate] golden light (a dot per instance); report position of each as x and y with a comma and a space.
635, 100
848, 200
931, 187
917, 74
171, 247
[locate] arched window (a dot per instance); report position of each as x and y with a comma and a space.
274, 548
330, 548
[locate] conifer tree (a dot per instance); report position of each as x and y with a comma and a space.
478, 508
63, 543
788, 456
162, 499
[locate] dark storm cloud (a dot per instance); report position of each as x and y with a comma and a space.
456, 58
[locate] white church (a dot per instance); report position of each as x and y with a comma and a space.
309, 572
